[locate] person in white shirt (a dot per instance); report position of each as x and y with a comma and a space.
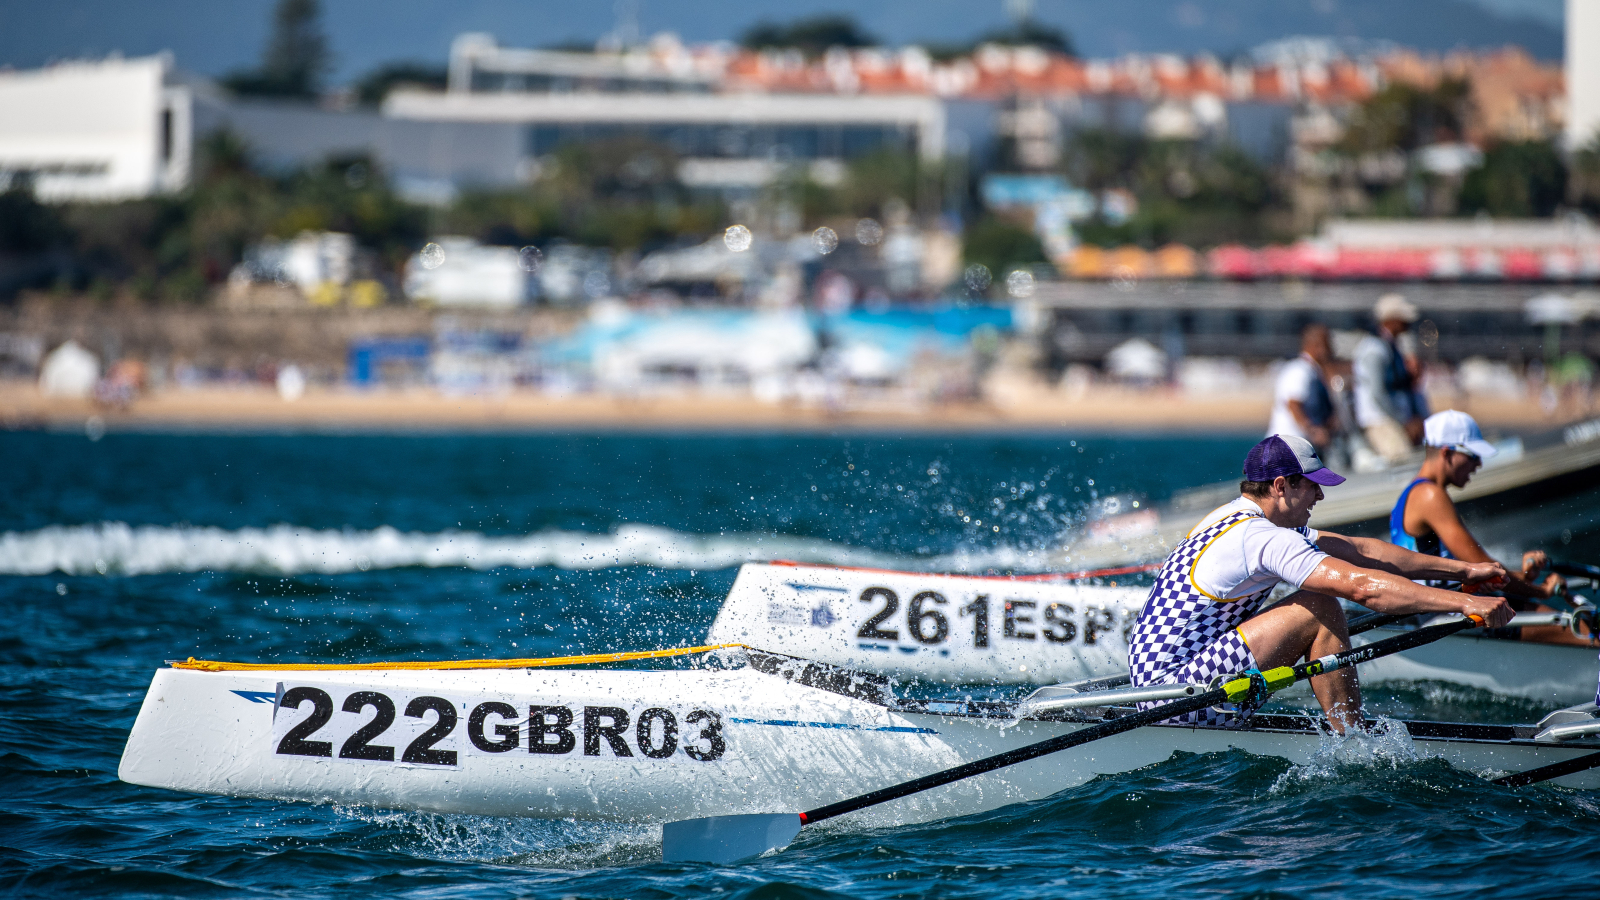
1389, 405
1302, 405
1203, 617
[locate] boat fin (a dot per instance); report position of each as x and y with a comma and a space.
727, 839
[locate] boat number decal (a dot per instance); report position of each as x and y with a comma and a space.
891, 602
1021, 620
367, 727
373, 727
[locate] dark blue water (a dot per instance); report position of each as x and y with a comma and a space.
118, 554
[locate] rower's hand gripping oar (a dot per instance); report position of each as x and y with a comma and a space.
726, 839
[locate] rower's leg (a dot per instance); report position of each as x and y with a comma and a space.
1308, 625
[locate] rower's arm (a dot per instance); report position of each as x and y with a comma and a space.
1371, 553
1430, 507
1386, 592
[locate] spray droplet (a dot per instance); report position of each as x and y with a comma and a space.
825, 239
737, 238
432, 256
530, 259
1019, 284
868, 232
978, 278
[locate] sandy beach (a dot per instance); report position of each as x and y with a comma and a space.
1016, 408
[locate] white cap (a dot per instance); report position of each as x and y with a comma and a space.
1457, 431
1394, 306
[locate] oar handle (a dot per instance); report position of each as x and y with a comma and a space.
1238, 688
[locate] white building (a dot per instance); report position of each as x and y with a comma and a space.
119, 129
109, 130
723, 139
1583, 72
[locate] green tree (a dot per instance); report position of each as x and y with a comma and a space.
350, 195
372, 87
296, 57
1583, 185
1192, 192
1100, 158
1517, 179
812, 36
1000, 245
1031, 33
1404, 117
26, 225
874, 179
623, 193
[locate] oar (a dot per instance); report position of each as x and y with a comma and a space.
726, 839
1373, 620
1576, 570
1554, 770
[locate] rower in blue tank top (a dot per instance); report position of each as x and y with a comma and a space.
1427, 544
1204, 617
1425, 519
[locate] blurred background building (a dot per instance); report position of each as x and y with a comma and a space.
805, 215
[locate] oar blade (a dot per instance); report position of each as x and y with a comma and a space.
727, 839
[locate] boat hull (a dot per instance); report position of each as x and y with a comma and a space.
741, 741
959, 628
764, 743
1044, 632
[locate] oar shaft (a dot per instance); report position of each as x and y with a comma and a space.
1400, 642
1576, 570
1554, 770
1020, 754
1370, 621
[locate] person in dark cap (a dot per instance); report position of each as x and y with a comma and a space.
1204, 615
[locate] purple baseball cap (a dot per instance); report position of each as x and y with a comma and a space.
1286, 454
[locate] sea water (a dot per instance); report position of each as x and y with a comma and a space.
119, 553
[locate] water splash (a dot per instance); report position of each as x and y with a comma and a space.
536, 843
1386, 745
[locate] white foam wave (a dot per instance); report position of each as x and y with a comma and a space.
118, 548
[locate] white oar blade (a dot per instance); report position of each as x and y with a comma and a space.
727, 839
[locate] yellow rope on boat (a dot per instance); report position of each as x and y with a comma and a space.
208, 665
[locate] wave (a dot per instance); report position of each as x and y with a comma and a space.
117, 548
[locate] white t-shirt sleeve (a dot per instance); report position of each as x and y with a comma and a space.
1289, 554
1294, 382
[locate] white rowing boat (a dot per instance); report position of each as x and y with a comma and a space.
654, 746
1552, 674
953, 628
974, 629
1551, 464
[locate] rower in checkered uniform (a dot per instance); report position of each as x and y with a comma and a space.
1203, 619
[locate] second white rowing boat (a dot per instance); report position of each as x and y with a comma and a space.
1002, 630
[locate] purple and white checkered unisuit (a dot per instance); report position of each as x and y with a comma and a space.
1183, 636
